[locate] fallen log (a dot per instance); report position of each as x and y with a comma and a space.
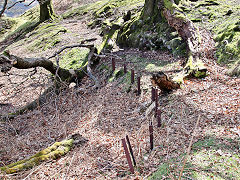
57, 150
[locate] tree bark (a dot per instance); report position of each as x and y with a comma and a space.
8, 61
168, 10
46, 10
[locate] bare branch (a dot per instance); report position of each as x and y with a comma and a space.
76, 45
30, 3
4, 8
15, 4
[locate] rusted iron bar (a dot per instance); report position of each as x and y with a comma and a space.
130, 149
132, 76
151, 135
127, 156
153, 94
113, 64
159, 121
139, 85
125, 68
156, 101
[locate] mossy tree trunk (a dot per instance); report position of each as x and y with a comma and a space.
46, 10
168, 10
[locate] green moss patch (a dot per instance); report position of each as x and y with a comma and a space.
74, 58
45, 36
55, 151
22, 24
116, 74
144, 34
222, 18
211, 158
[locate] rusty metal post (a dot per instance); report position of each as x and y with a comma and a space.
125, 68
139, 85
127, 156
159, 121
130, 149
156, 101
132, 76
153, 94
151, 135
113, 64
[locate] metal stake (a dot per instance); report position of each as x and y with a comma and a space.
139, 85
132, 76
159, 121
130, 149
153, 94
113, 64
125, 68
156, 101
151, 135
127, 156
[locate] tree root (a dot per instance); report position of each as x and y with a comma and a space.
55, 151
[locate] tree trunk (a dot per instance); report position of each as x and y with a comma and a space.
46, 10
169, 11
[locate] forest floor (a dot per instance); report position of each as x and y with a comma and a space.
107, 115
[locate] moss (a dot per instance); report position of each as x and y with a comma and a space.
161, 172
45, 36
116, 74
222, 19
144, 35
56, 150
74, 58
210, 158
235, 69
6, 25
103, 67
126, 81
22, 24
228, 46
104, 8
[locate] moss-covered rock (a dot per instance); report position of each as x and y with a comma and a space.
74, 58
21, 24
45, 36
228, 42
222, 19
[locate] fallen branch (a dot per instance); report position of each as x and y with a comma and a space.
3, 8
189, 148
72, 46
89, 69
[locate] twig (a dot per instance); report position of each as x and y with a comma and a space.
15, 4
34, 170
189, 148
4, 8
89, 70
69, 166
30, 3
75, 45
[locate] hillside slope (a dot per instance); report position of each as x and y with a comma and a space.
107, 115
